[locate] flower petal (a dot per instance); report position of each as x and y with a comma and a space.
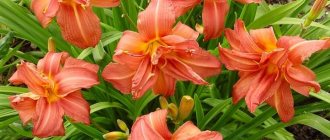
264, 38
73, 79
120, 76
284, 102
142, 130
105, 3
236, 60
79, 26
288, 41
303, 50
214, 15
44, 10
145, 77
49, 120
131, 42
182, 6
71, 62
302, 79
29, 75
14, 79
181, 71
165, 85
76, 107
51, 64
157, 121
185, 31
186, 131
157, 20
240, 40
242, 86
24, 106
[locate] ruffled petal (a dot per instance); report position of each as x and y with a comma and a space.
131, 42
236, 60
14, 79
105, 3
142, 130
303, 50
240, 40
80, 26
264, 38
51, 64
73, 79
165, 85
157, 20
288, 41
186, 131
207, 135
301, 79
185, 31
182, 6
29, 75
76, 107
181, 71
120, 76
71, 62
214, 16
44, 10
283, 101
24, 106
49, 120
144, 78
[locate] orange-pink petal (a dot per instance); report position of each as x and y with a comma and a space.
29, 75
188, 131
214, 16
44, 10
182, 6
165, 85
120, 76
236, 60
71, 62
75, 107
14, 79
157, 20
105, 3
80, 26
73, 79
131, 42
48, 120
185, 31
51, 64
264, 38
248, 1
24, 106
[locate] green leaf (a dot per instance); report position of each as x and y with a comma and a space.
322, 95
13, 90
88, 130
199, 110
103, 105
275, 15
213, 113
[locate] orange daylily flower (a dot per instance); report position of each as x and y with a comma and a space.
54, 86
153, 127
79, 25
158, 55
214, 15
269, 68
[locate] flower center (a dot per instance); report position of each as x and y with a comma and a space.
51, 91
154, 49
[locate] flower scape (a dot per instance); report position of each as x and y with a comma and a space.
164, 69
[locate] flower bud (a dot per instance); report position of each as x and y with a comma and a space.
199, 28
173, 111
115, 135
51, 45
122, 125
163, 102
316, 10
186, 105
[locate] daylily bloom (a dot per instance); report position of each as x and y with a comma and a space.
214, 15
268, 67
153, 127
79, 25
158, 55
54, 86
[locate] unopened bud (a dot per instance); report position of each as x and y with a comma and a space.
199, 28
51, 45
173, 111
186, 105
163, 102
122, 125
115, 135
316, 10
